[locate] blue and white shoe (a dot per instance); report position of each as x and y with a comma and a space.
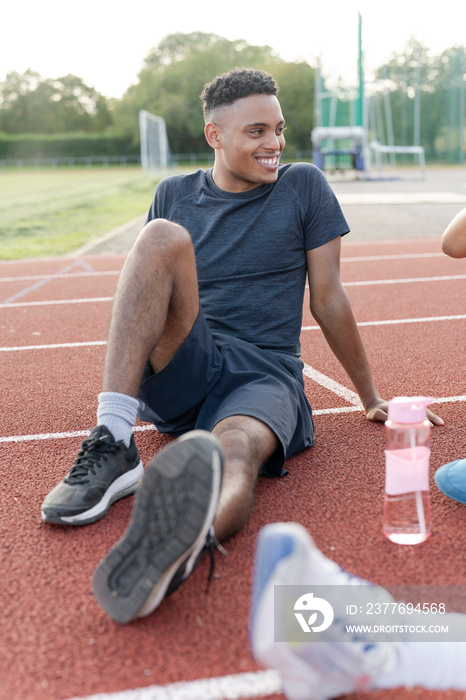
451, 480
312, 670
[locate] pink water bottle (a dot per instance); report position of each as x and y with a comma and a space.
406, 516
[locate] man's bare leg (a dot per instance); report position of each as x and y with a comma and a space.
156, 304
247, 444
181, 496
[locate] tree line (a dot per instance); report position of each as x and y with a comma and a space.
175, 71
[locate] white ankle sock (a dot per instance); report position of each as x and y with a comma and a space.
118, 413
432, 665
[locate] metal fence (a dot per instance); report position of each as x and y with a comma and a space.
87, 161
188, 159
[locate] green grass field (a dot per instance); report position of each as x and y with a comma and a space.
53, 212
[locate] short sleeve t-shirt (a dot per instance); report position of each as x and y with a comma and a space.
250, 248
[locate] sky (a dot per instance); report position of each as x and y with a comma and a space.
105, 43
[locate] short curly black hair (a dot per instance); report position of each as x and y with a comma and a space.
234, 85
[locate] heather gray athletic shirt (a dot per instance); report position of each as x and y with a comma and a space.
251, 248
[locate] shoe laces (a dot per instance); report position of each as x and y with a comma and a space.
89, 457
211, 545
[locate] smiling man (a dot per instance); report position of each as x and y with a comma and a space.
248, 138
204, 343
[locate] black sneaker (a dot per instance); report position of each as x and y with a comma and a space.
172, 515
103, 472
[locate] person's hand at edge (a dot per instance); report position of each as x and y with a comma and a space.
377, 411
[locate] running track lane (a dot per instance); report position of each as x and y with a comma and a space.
56, 642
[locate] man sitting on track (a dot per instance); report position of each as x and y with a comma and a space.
204, 343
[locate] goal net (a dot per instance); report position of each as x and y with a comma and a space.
155, 151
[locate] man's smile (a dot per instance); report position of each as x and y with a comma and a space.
268, 161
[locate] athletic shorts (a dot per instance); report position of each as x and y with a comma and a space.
213, 376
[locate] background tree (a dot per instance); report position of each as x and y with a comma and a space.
175, 72
296, 81
35, 105
438, 80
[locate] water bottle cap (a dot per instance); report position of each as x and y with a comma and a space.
409, 409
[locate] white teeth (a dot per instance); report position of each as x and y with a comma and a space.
268, 161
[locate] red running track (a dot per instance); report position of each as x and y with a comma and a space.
56, 642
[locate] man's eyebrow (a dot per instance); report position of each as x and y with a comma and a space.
282, 121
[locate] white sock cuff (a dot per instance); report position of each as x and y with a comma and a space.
121, 405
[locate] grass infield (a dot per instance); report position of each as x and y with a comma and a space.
53, 212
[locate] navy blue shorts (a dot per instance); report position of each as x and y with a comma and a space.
213, 376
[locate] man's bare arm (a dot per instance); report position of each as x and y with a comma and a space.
332, 310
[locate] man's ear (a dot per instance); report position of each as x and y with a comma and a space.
212, 134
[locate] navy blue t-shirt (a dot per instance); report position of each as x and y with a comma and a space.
251, 248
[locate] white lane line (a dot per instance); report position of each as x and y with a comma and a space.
332, 385
426, 319
45, 280
54, 346
396, 321
85, 260
352, 409
402, 280
337, 409
405, 280
393, 256
44, 436
451, 399
350, 395
234, 687
112, 273
60, 276
61, 436
56, 302
360, 283
90, 343
144, 428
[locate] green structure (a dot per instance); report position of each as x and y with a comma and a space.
359, 116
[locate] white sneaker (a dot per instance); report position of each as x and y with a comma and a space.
287, 556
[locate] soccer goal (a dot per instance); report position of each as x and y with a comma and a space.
155, 151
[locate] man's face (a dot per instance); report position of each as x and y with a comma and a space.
248, 141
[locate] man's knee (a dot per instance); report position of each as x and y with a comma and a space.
247, 440
161, 237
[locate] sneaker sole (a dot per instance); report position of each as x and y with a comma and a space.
124, 486
173, 510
